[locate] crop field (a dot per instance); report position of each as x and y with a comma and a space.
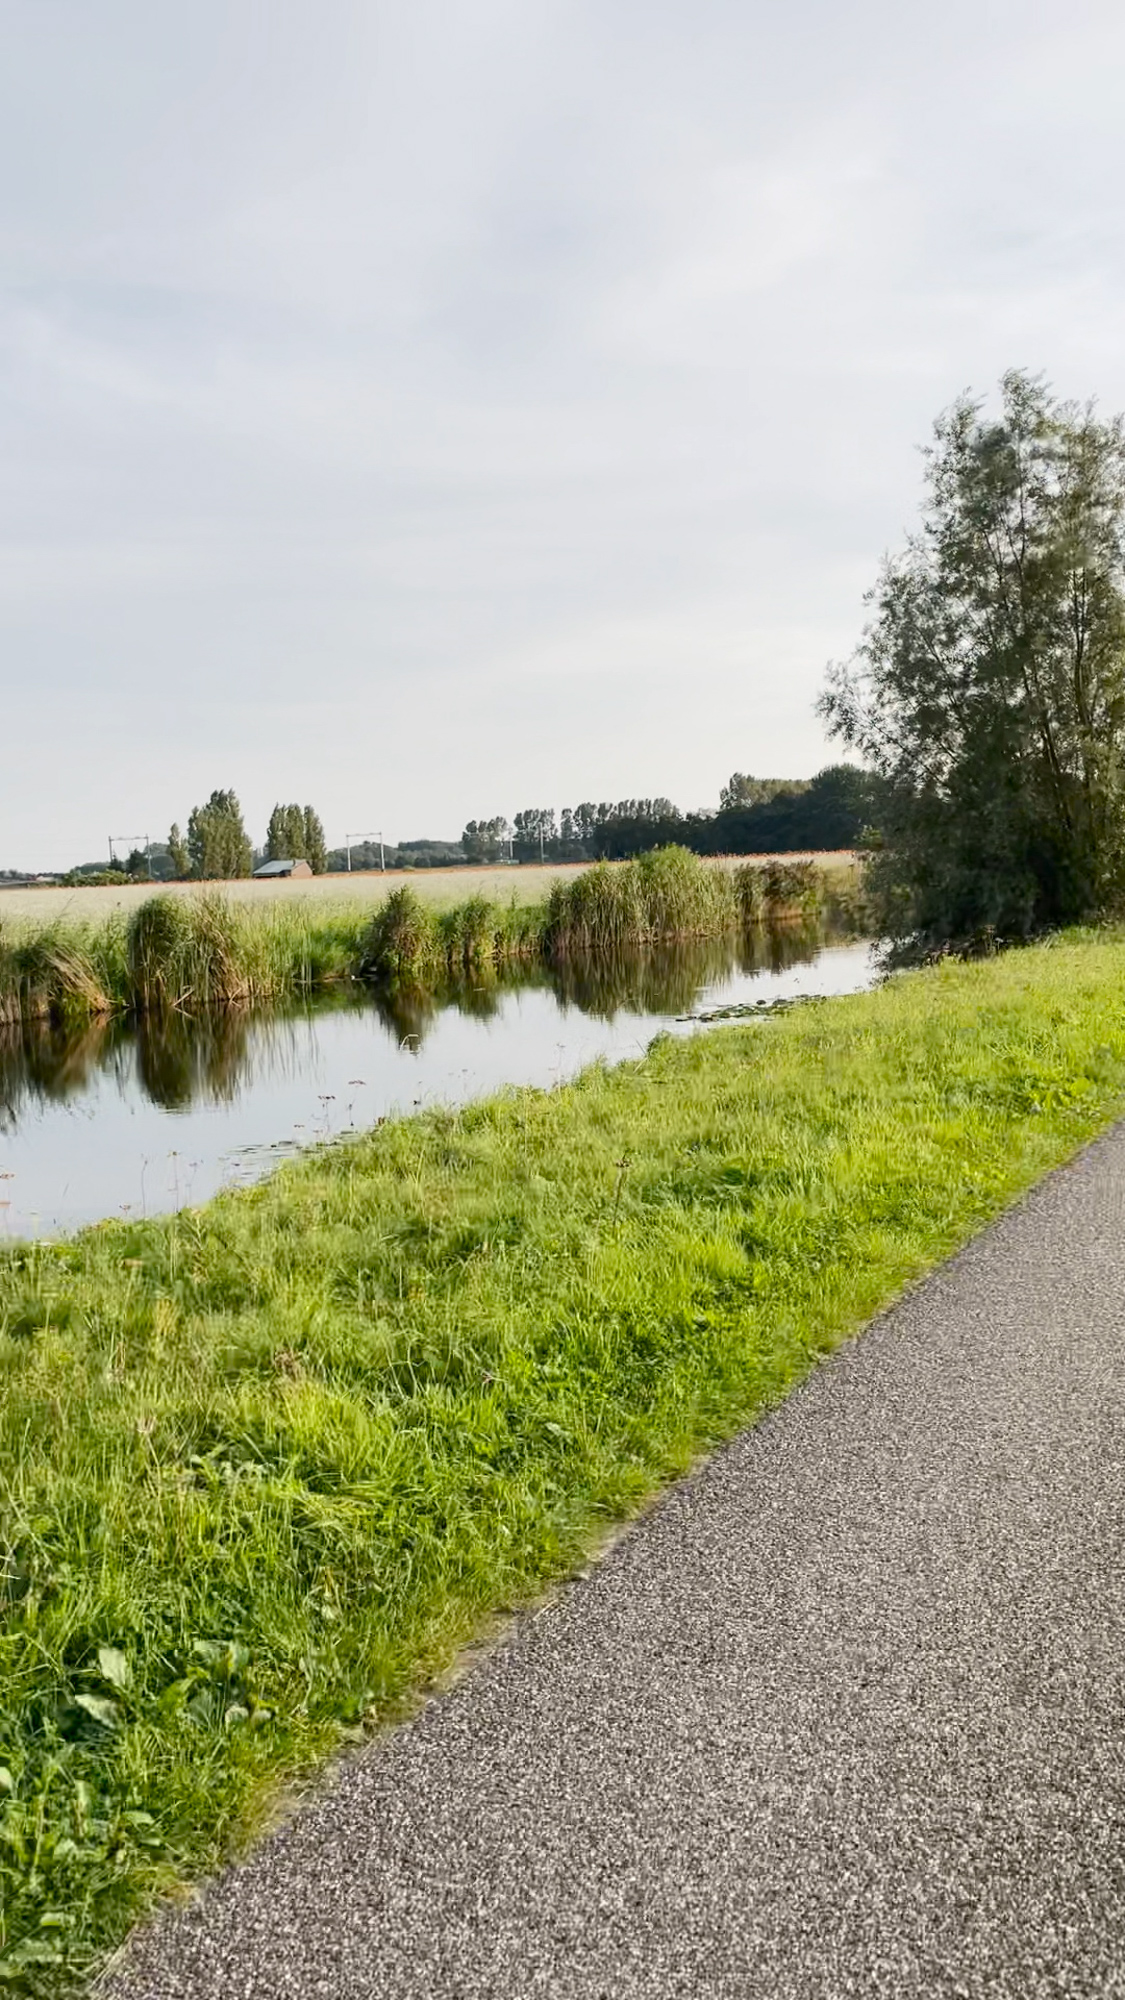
440, 886
267, 1464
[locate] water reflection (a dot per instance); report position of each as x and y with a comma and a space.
135, 1119
661, 979
179, 1060
665, 978
42, 1063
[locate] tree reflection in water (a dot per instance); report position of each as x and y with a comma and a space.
182, 1059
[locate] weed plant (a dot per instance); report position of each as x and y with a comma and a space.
191, 953
666, 894
268, 1464
63, 973
209, 951
174, 953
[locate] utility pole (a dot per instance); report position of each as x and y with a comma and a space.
131, 840
349, 837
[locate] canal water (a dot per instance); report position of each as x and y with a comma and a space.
133, 1120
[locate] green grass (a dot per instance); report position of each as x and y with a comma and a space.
174, 953
188, 953
268, 1465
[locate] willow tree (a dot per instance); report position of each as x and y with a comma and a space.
988, 691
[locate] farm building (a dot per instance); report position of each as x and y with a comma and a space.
275, 871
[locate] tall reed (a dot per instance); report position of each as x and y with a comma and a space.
668, 893
64, 973
401, 940
188, 953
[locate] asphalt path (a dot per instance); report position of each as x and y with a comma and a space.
844, 1715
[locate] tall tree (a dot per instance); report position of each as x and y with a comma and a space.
276, 848
988, 692
295, 833
486, 839
741, 790
217, 841
534, 834
178, 853
315, 847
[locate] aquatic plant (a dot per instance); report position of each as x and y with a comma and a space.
472, 933
62, 973
402, 940
157, 944
667, 893
190, 951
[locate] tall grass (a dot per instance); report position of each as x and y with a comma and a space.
264, 1466
666, 894
210, 951
174, 953
63, 973
185, 953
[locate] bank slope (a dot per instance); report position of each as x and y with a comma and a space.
267, 1465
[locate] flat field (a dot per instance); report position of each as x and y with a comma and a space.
441, 886
265, 1466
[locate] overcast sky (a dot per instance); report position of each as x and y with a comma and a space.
433, 409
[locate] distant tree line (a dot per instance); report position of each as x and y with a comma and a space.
217, 847
754, 816
368, 854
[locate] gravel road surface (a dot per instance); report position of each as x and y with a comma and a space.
845, 1715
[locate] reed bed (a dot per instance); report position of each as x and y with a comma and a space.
65, 972
666, 894
610, 907
179, 953
174, 954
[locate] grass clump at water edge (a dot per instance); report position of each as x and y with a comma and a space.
207, 951
66, 972
193, 952
609, 907
666, 894
267, 1464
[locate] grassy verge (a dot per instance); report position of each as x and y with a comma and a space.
267, 1465
188, 953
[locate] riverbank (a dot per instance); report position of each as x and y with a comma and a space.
135, 1117
270, 1463
191, 951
